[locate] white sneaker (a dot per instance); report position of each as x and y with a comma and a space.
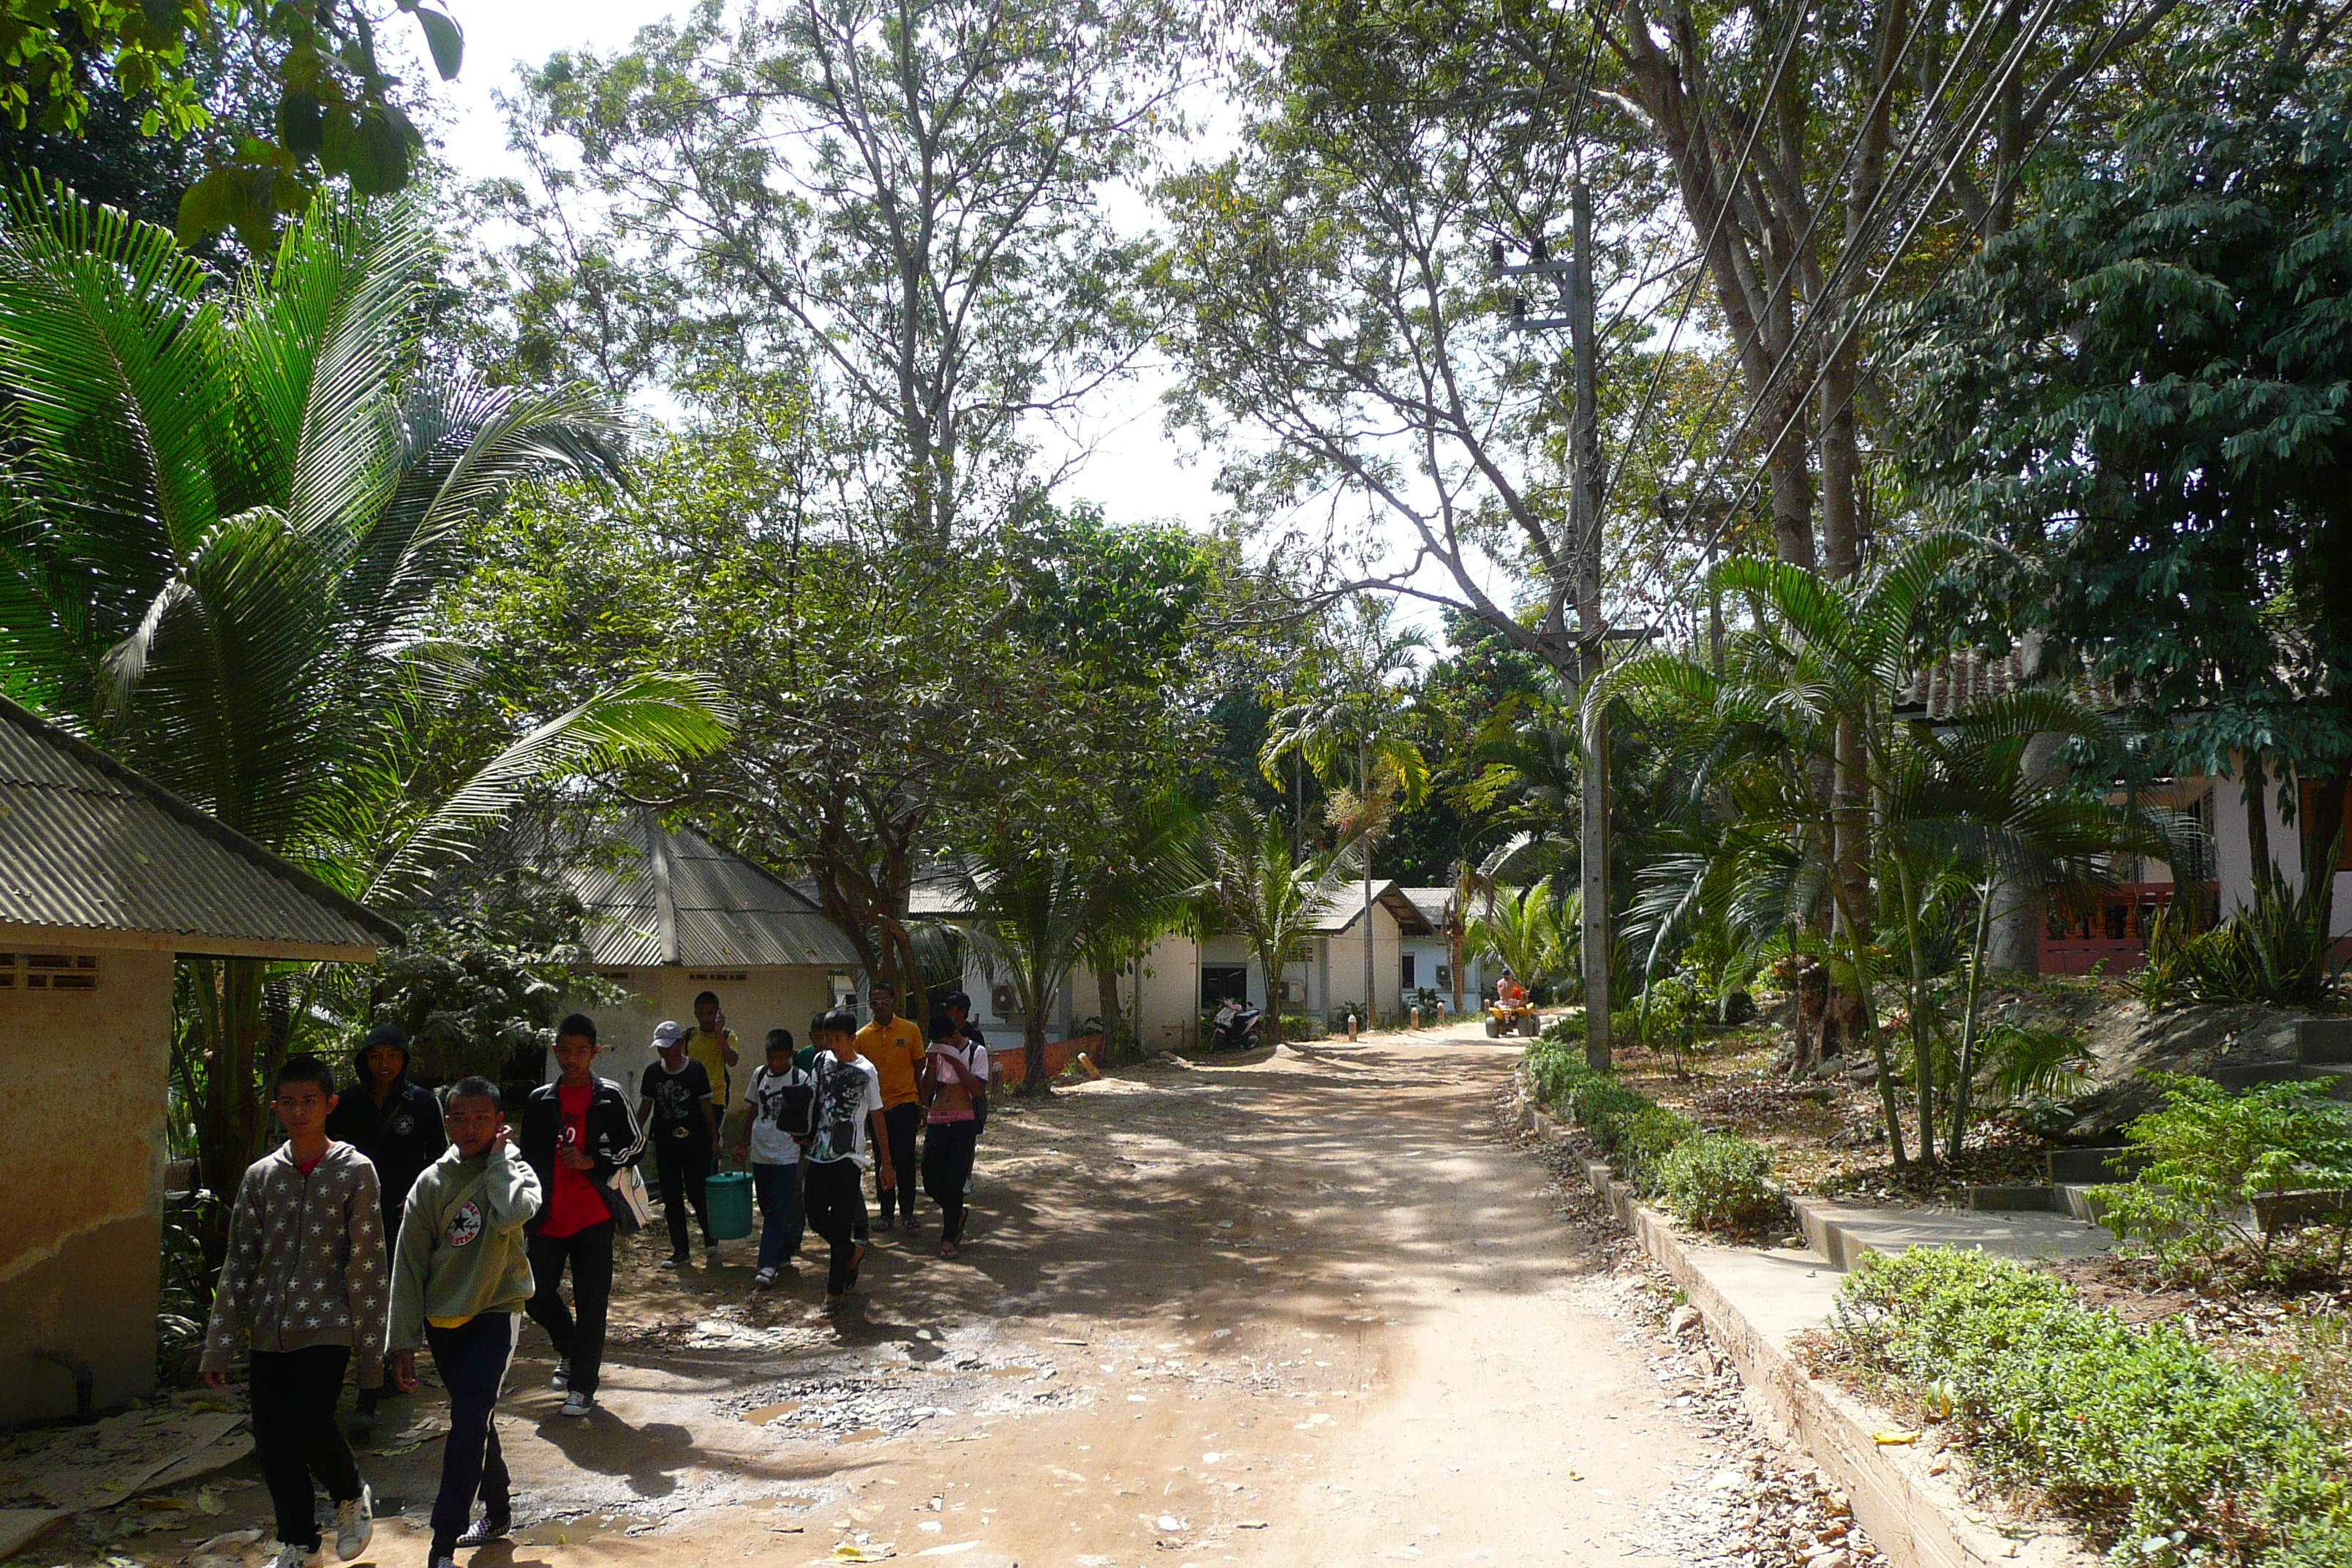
710, 1254
292, 1556
355, 1523
562, 1378
578, 1403
764, 1277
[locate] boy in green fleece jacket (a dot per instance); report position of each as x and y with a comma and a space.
460, 1276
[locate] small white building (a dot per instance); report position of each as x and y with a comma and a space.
105, 879
1182, 979
671, 914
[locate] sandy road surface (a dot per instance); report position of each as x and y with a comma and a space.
1311, 1309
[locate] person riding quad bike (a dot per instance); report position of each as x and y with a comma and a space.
1511, 1013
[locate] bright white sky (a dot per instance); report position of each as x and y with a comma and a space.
1137, 472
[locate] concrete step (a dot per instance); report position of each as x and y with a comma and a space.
2324, 1040
2336, 1076
2091, 1164
2238, 1079
1844, 1232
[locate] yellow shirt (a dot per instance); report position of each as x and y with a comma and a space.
895, 1049
710, 1050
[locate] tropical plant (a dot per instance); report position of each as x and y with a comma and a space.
1351, 731
1822, 666
234, 510
2276, 949
1265, 892
1531, 933
1962, 805
1026, 921
1136, 888
1949, 809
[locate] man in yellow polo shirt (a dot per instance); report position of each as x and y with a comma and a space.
713, 1045
895, 1046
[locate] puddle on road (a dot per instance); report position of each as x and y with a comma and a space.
587, 1527
767, 1413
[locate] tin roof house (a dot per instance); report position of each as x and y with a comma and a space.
106, 879
671, 914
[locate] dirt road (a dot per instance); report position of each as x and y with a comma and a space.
1311, 1308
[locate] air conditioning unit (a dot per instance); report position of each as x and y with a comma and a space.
1294, 992
1003, 1002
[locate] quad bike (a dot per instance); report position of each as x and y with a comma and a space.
1512, 1018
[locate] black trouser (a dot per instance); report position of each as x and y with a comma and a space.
578, 1330
900, 1121
472, 1359
295, 1436
684, 1164
833, 1195
948, 1150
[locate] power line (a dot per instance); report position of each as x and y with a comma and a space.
1854, 323
1853, 245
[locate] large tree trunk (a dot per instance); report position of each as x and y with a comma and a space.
2323, 843
2019, 909
1107, 1005
2256, 796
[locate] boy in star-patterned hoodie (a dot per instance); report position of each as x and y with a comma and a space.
305, 1285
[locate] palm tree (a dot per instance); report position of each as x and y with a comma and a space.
1027, 925
1816, 676
1264, 891
1358, 714
1138, 889
1531, 933
235, 510
1820, 669
1962, 801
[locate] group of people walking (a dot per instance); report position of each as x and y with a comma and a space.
393, 1219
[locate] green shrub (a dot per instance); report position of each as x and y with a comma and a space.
1717, 1183
2212, 1155
2147, 1440
1567, 1027
1643, 1142
1602, 1107
1552, 1068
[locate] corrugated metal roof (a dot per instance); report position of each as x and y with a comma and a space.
87, 845
1430, 902
658, 896
1342, 910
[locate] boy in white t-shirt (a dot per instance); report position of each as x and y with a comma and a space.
784, 1119
850, 1135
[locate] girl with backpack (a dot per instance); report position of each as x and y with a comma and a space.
784, 1119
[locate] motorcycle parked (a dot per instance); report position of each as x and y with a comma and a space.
1234, 1026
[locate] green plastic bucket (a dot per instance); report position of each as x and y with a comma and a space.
729, 1196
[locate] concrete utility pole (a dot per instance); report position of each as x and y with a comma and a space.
1593, 633
1593, 629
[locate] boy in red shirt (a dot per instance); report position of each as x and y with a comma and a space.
577, 1134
